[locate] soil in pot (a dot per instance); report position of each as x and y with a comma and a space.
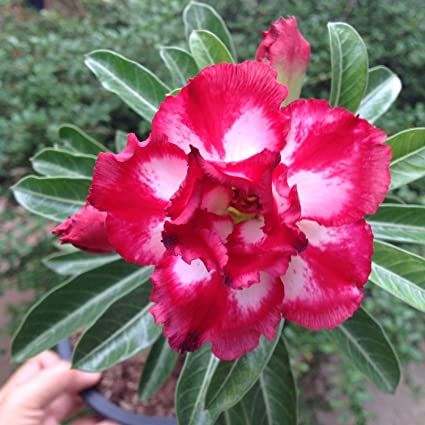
120, 383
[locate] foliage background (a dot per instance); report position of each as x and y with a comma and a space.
44, 83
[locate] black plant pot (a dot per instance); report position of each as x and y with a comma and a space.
106, 408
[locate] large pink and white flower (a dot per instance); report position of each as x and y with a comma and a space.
250, 212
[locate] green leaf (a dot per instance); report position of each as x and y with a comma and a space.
407, 142
249, 411
55, 198
399, 272
365, 343
74, 304
200, 16
383, 89
138, 87
192, 386
393, 199
349, 63
399, 223
208, 387
74, 263
207, 49
124, 329
278, 388
174, 92
408, 163
158, 367
76, 140
273, 399
120, 140
58, 163
180, 63
232, 380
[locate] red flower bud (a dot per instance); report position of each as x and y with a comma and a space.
288, 53
85, 230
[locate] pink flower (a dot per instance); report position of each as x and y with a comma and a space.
250, 212
85, 230
288, 52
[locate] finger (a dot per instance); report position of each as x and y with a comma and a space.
65, 406
93, 421
32, 367
48, 384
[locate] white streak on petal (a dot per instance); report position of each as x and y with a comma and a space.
163, 175
251, 298
316, 190
251, 231
249, 135
189, 274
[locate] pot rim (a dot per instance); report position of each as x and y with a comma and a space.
101, 405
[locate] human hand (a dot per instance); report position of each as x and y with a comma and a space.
44, 391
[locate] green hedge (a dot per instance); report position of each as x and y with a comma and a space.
42, 85
44, 81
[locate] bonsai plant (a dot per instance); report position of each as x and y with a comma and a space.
245, 209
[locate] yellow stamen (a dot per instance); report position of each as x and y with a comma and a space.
238, 216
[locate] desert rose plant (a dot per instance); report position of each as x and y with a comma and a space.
245, 209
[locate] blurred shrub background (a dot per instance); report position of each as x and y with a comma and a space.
44, 83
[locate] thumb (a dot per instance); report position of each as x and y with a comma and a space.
48, 384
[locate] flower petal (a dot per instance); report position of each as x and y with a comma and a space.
201, 238
253, 250
337, 161
323, 283
288, 52
196, 307
188, 301
228, 111
252, 175
250, 313
134, 188
86, 230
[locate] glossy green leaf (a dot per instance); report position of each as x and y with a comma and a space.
207, 49
349, 61
55, 198
272, 400
73, 305
192, 387
157, 369
399, 223
232, 380
399, 272
408, 163
120, 140
278, 387
138, 87
200, 16
406, 142
383, 89
249, 411
365, 343
174, 92
208, 387
76, 140
124, 329
74, 263
59, 163
393, 199
180, 63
